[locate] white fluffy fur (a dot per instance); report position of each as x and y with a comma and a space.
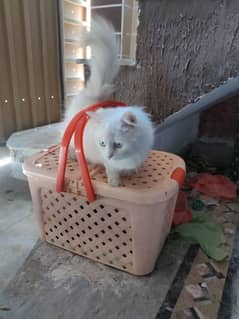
118, 138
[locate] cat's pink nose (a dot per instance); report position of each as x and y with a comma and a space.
110, 155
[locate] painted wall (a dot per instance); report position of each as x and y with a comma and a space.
184, 50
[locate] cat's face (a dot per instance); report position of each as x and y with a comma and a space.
116, 140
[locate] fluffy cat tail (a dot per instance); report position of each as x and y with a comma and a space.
104, 64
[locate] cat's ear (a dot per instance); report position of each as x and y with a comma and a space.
128, 120
95, 116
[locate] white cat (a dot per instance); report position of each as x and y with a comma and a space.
118, 138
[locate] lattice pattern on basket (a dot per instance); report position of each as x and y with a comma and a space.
158, 166
102, 233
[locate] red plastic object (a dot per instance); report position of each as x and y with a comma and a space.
182, 213
76, 126
218, 186
179, 176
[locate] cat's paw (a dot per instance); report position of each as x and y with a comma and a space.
114, 181
127, 173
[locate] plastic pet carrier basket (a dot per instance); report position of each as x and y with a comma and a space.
124, 227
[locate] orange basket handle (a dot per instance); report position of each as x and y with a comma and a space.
179, 175
77, 125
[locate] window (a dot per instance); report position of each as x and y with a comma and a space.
76, 16
123, 14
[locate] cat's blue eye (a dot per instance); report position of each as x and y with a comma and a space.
102, 143
117, 145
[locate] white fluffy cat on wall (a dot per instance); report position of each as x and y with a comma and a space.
118, 138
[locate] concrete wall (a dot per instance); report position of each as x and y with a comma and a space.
184, 49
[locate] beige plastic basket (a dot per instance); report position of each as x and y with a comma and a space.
124, 227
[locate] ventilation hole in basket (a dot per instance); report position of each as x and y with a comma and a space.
110, 227
58, 211
102, 219
57, 237
65, 219
130, 239
109, 214
117, 223
95, 223
90, 239
87, 202
110, 251
109, 239
75, 211
47, 208
72, 238
97, 257
124, 231
46, 233
84, 242
124, 219
91, 250
131, 252
124, 267
117, 247
81, 207
70, 215
45, 196
104, 254
155, 181
97, 247
63, 207
102, 206
83, 231
145, 182
95, 211
116, 210
51, 230
83, 219
79, 246
78, 235
55, 226
89, 215
74, 199
154, 169
124, 243
96, 235
133, 184
66, 231
89, 227
54, 215
150, 175
71, 227
103, 232
49, 219
77, 224
125, 256
61, 234
52, 204
50, 191
103, 243
62, 195
117, 235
